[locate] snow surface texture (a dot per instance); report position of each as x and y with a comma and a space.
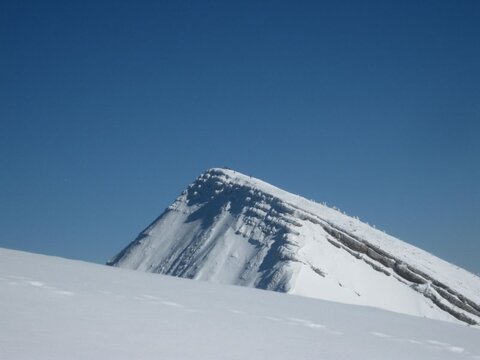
234, 229
53, 308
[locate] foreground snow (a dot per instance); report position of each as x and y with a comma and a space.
53, 308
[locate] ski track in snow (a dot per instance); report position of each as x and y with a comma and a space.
155, 300
23, 281
168, 299
433, 344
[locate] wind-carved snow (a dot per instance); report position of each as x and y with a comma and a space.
233, 229
119, 314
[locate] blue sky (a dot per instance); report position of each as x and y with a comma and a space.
109, 109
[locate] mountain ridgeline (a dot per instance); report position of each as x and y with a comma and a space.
230, 228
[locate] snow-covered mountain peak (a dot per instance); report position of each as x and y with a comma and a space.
230, 228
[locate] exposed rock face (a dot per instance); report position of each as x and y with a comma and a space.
233, 229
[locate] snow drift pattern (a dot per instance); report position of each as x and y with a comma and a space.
56, 309
233, 229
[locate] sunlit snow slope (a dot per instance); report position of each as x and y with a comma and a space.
234, 229
57, 309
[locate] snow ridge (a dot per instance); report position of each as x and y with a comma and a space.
230, 228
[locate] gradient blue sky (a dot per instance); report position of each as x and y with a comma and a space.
109, 109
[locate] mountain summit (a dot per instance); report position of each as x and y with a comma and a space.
230, 228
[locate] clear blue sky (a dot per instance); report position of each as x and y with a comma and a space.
109, 109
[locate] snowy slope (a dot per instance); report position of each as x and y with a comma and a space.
53, 308
234, 229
